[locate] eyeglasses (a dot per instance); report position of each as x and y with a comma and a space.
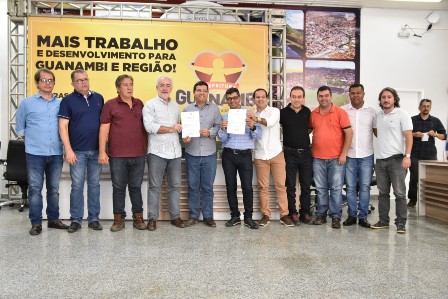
81, 80
49, 81
232, 98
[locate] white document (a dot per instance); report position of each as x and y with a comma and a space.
191, 125
425, 137
236, 121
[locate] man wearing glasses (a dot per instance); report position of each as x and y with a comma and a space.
37, 120
237, 157
79, 125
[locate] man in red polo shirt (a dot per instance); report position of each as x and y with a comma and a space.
332, 136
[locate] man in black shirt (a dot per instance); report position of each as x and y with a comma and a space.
425, 129
294, 119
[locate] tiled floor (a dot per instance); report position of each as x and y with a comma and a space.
202, 262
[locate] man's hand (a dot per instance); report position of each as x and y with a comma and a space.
204, 132
103, 158
418, 134
342, 159
251, 115
250, 122
178, 128
224, 124
186, 140
406, 163
70, 157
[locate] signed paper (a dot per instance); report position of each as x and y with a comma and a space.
191, 124
236, 121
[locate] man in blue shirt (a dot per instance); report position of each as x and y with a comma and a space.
79, 124
200, 157
237, 156
37, 120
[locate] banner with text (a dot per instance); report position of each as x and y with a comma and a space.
223, 55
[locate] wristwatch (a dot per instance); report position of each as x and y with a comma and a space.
407, 155
258, 119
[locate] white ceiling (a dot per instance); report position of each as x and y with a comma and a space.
442, 5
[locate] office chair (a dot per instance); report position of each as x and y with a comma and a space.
16, 173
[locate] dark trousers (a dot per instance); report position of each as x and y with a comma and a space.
241, 163
302, 162
413, 181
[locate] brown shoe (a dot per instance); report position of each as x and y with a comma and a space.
57, 224
152, 225
336, 223
320, 220
36, 229
118, 223
191, 222
178, 222
139, 223
264, 221
286, 221
210, 222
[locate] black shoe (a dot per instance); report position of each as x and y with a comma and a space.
412, 204
95, 225
233, 221
336, 223
380, 225
401, 228
249, 222
57, 224
364, 222
349, 221
36, 229
74, 227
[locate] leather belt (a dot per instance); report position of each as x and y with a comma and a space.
297, 150
237, 152
398, 156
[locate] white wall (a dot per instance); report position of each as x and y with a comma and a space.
407, 64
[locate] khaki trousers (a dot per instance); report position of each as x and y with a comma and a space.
277, 166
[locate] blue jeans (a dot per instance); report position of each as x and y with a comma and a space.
127, 172
51, 167
86, 160
157, 167
358, 172
329, 179
389, 172
201, 173
241, 163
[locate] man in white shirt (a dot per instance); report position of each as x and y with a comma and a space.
269, 158
359, 166
394, 132
161, 120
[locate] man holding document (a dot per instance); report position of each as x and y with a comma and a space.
200, 122
237, 134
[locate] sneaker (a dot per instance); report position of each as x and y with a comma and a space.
305, 218
209, 222
74, 227
286, 221
295, 219
95, 225
264, 220
401, 228
233, 221
249, 222
191, 222
379, 225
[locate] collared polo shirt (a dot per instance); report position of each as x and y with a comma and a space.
37, 120
83, 113
210, 118
127, 136
239, 141
295, 127
391, 127
362, 121
328, 135
425, 149
158, 113
269, 145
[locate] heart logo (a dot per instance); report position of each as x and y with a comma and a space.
225, 68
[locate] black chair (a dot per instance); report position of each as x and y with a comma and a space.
16, 173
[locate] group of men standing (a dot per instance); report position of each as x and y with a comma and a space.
123, 132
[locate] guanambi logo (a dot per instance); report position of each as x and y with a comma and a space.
220, 71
